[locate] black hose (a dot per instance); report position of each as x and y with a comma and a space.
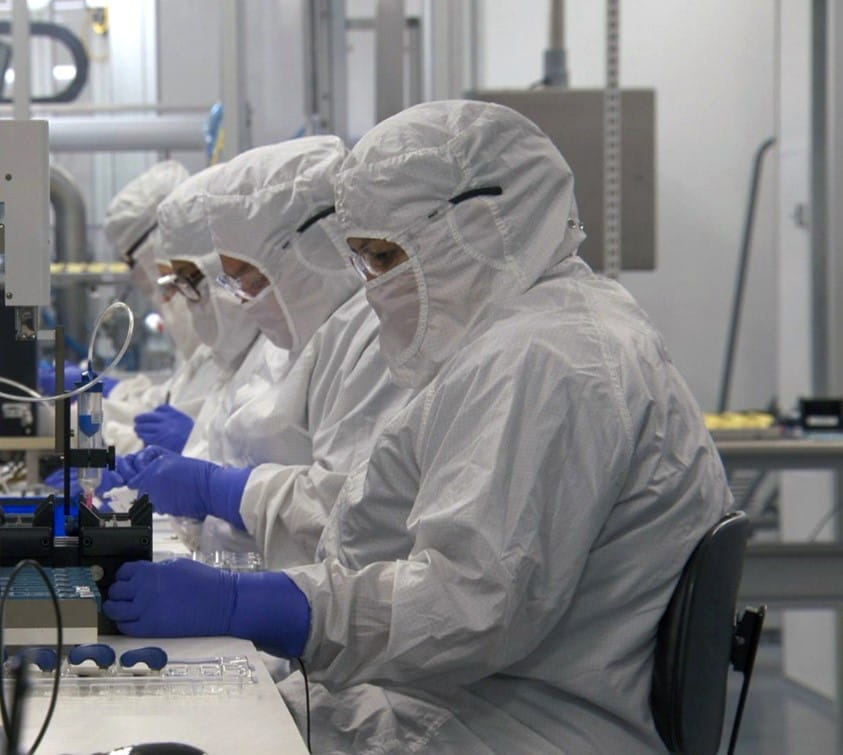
72, 43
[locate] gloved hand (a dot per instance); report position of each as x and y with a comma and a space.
110, 479
164, 426
47, 377
194, 488
125, 468
108, 384
184, 598
131, 465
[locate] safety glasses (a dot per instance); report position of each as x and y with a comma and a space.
252, 282
186, 285
375, 257
246, 286
378, 256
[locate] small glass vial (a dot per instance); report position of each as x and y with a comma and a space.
89, 431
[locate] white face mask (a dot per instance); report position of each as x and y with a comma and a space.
179, 325
144, 272
204, 317
266, 311
395, 298
140, 280
221, 324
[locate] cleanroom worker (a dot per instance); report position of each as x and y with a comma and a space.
492, 579
132, 229
287, 439
190, 266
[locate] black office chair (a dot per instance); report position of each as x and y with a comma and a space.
698, 637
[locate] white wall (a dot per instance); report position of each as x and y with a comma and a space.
275, 79
727, 75
805, 497
711, 65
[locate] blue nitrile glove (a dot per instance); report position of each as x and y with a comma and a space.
131, 465
125, 467
184, 598
164, 426
108, 384
47, 377
194, 488
110, 479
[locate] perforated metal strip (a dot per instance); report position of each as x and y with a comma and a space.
612, 145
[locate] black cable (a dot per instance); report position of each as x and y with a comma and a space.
19, 692
306, 701
55, 693
72, 44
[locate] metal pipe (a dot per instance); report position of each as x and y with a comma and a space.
71, 245
743, 262
389, 58
58, 108
20, 59
555, 65
556, 39
70, 216
233, 82
820, 304
126, 134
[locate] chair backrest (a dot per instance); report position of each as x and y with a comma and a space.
694, 642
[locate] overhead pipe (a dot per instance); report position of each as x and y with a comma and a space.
555, 68
127, 134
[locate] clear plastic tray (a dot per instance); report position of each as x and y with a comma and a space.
231, 560
227, 676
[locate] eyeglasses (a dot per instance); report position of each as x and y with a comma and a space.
378, 256
246, 286
186, 285
252, 282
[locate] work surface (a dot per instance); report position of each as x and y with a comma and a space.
93, 715
219, 718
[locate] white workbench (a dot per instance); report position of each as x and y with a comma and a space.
249, 718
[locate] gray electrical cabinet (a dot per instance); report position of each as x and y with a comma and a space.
573, 119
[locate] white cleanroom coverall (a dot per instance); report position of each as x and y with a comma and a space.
131, 228
307, 419
236, 346
492, 579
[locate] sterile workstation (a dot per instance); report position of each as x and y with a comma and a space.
412, 376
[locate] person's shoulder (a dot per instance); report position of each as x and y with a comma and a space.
517, 345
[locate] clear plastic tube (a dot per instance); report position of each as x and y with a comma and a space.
89, 432
35, 397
